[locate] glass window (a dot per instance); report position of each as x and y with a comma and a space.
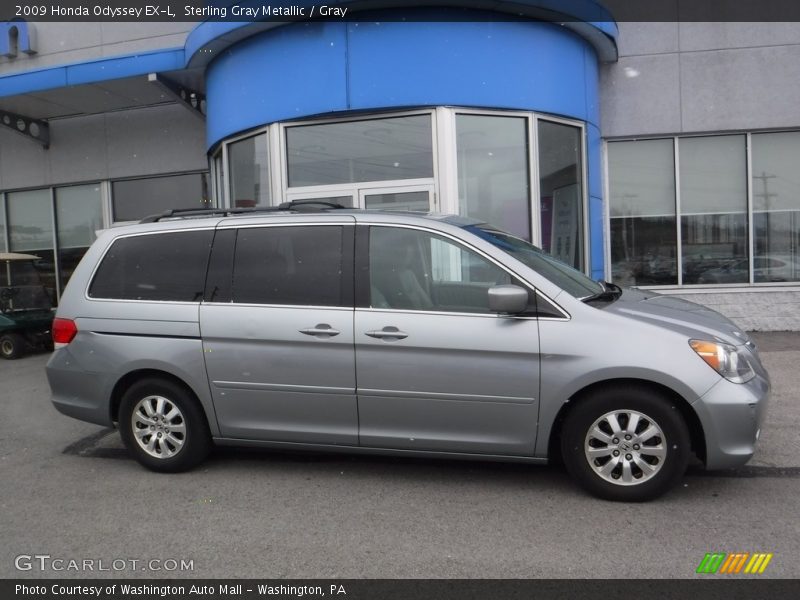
776, 207
289, 265
415, 270
564, 276
30, 226
79, 213
642, 207
418, 201
713, 209
372, 150
248, 164
561, 190
493, 181
134, 199
164, 266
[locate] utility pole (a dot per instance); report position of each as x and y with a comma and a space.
766, 195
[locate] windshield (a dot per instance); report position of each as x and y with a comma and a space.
568, 279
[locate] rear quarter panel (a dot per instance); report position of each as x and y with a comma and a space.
117, 337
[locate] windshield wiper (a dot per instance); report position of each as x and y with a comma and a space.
609, 293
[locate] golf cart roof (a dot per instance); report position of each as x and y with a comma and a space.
8, 256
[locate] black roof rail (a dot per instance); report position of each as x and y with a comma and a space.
309, 205
310, 202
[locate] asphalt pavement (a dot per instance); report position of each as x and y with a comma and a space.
69, 491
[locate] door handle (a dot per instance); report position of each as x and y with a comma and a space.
322, 330
387, 333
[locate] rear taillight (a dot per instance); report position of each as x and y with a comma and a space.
63, 331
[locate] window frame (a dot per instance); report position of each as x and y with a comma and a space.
537, 205
105, 186
354, 188
221, 170
110, 193
445, 168
751, 284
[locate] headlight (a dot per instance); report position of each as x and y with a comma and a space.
732, 362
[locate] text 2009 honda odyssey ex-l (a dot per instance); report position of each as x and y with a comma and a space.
395, 333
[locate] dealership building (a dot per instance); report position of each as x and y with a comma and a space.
664, 155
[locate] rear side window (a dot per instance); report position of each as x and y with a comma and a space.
164, 266
300, 266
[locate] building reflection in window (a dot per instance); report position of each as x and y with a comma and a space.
776, 207
642, 208
248, 165
561, 190
79, 214
30, 217
714, 209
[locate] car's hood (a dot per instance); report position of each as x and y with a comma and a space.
676, 313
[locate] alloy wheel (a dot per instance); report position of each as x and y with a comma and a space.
625, 447
158, 426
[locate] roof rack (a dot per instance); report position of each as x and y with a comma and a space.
310, 205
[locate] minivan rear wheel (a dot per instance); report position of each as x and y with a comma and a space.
627, 444
163, 426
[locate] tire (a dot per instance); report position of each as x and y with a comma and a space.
158, 406
12, 345
645, 466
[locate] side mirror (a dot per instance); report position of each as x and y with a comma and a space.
509, 299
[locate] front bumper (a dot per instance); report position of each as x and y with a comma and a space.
731, 415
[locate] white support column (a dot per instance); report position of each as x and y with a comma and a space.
447, 167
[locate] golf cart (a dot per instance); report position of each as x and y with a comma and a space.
26, 313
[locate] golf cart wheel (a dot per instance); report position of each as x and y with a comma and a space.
12, 345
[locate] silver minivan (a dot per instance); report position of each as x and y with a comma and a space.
397, 333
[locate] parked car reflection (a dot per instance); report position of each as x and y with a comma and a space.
765, 269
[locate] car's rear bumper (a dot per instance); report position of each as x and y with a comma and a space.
76, 392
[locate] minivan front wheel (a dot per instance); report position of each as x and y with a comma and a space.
627, 444
163, 426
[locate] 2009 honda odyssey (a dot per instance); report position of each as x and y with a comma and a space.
383, 332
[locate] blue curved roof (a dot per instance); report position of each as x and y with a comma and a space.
588, 18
